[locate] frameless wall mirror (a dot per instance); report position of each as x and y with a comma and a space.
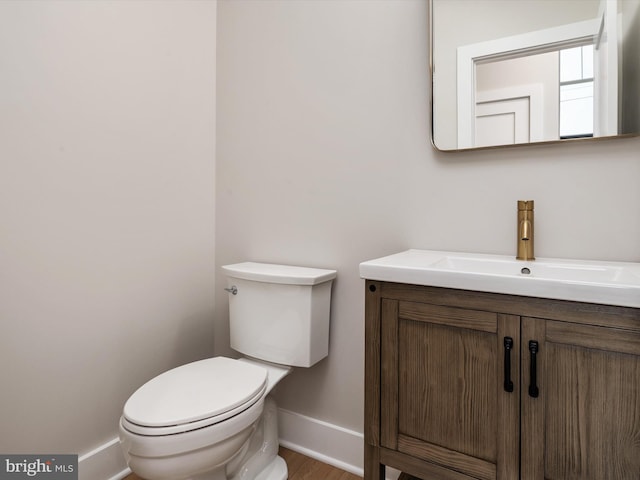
509, 72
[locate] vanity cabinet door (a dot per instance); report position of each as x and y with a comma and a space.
443, 394
584, 423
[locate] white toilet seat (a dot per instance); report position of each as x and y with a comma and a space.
168, 446
194, 396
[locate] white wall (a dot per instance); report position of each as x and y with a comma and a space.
324, 159
107, 193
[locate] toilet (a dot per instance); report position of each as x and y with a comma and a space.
214, 419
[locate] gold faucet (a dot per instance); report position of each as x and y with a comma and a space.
525, 230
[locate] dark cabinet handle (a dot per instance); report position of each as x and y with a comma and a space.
533, 373
508, 346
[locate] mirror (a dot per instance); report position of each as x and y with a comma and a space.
514, 72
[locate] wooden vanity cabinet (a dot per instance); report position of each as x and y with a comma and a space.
469, 385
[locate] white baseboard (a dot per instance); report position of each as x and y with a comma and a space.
324, 442
103, 463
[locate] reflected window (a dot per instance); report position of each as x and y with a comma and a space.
576, 92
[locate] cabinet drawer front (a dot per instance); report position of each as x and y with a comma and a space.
599, 338
454, 317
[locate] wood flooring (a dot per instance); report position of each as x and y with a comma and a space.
302, 468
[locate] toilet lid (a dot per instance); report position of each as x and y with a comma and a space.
195, 391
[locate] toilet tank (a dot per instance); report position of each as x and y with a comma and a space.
279, 313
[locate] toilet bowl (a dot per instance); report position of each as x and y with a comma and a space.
214, 419
202, 416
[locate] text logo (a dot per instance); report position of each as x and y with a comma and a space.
39, 467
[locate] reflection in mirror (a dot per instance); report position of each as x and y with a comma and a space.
524, 71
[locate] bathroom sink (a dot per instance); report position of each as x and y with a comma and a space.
611, 283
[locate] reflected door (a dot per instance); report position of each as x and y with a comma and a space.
509, 116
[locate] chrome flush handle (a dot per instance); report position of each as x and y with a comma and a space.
233, 290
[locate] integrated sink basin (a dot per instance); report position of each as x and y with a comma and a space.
610, 283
